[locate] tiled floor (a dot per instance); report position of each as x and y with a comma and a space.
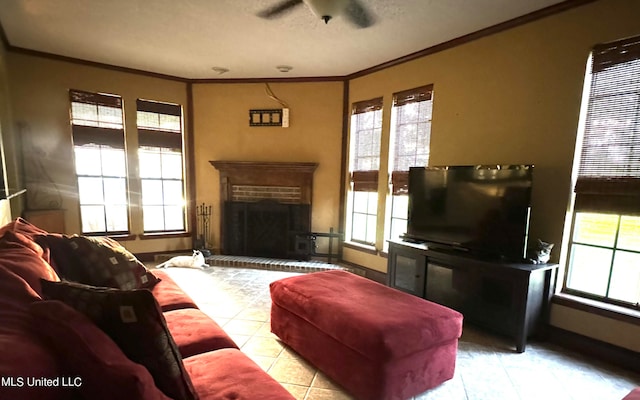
487, 367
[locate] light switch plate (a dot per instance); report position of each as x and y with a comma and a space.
266, 117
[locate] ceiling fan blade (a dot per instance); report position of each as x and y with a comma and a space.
358, 15
279, 9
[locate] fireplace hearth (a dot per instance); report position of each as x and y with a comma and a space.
265, 208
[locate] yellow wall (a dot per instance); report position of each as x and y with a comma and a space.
12, 157
222, 132
595, 326
513, 97
40, 100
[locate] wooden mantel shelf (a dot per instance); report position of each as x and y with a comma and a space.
301, 167
265, 173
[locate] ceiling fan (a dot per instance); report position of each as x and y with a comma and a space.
353, 10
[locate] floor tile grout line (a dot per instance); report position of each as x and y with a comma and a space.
306, 395
246, 286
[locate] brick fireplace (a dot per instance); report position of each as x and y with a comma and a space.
265, 207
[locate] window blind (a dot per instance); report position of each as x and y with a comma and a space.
365, 181
367, 106
422, 93
366, 130
609, 167
159, 124
159, 108
412, 134
107, 100
96, 118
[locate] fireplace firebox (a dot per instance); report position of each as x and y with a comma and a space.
265, 208
265, 228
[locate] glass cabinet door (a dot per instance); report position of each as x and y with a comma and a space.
409, 273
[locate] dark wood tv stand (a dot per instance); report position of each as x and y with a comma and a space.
507, 298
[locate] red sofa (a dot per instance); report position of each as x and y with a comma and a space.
136, 335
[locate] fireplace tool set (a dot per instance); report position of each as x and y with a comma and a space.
203, 215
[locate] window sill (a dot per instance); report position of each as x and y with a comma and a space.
163, 235
597, 307
361, 247
116, 236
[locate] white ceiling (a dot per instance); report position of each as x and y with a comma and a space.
186, 38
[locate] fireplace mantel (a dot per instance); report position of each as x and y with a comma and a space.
264, 173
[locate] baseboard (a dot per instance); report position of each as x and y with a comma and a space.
372, 274
600, 350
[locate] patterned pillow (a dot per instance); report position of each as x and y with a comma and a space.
133, 319
97, 261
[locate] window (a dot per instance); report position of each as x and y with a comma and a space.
366, 130
410, 139
161, 166
98, 142
604, 259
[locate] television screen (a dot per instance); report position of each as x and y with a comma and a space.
480, 209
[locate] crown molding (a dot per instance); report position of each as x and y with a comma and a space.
73, 60
525, 19
536, 15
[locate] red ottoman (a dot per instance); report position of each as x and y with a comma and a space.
633, 395
375, 341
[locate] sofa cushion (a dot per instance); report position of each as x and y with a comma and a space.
24, 355
133, 319
230, 374
195, 332
22, 352
169, 295
89, 354
14, 288
23, 256
97, 261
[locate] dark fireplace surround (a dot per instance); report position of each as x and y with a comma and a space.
265, 208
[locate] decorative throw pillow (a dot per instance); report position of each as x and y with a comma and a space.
97, 261
22, 226
92, 359
133, 319
23, 257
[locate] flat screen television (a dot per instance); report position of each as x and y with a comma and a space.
483, 210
